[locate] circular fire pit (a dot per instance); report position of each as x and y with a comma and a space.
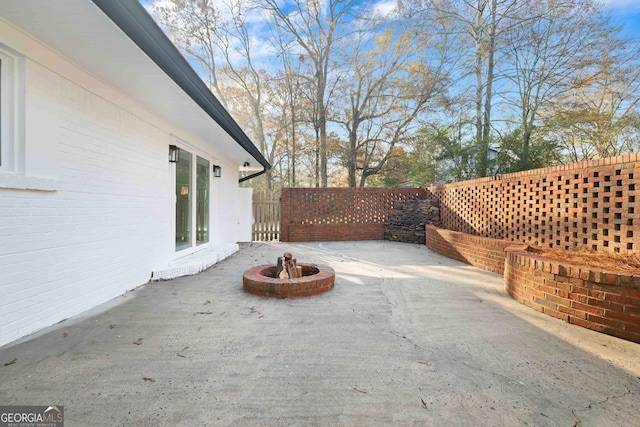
263, 281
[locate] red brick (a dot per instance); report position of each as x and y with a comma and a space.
603, 321
635, 293
611, 279
622, 317
579, 297
572, 312
534, 293
586, 324
632, 327
624, 280
632, 310
588, 291
615, 298
556, 314
546, 289
587, 308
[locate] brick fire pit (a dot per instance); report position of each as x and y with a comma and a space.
315, 280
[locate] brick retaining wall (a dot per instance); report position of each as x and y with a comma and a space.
482, 252
604, 301
600, 300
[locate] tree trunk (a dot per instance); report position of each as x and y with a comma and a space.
322, 124
486, 126
293, 147
481, 151
317, 165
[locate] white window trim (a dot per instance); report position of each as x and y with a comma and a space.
11, 110
12, 126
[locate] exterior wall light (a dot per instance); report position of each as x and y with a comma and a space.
217, 171
174, 154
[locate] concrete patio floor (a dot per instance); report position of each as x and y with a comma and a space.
406, 337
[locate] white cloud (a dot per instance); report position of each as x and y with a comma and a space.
385, 7
622, 6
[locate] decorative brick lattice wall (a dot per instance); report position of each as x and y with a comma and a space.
326, 214
592, 205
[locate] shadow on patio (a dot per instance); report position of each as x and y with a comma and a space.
406, 337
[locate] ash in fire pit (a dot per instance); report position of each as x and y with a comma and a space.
288, 279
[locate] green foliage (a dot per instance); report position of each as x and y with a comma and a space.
344, 89
514, 155
442, 156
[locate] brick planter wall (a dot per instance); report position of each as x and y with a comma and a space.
600, 300
329, 214
604, 301
481, 252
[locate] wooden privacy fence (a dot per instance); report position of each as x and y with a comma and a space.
266, 216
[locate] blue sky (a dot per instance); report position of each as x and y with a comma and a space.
625, 12
622, 12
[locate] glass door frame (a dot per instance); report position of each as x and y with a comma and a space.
196, 155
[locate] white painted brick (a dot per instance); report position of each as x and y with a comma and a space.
95, 238
109, 223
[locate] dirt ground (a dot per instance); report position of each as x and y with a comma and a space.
623, 263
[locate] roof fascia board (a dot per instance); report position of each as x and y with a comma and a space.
132, 18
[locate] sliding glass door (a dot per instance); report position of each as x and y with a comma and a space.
202, 201
189, 209
183, 200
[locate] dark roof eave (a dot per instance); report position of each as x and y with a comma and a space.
132, 18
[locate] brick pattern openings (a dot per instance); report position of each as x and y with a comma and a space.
591, 205
326, 214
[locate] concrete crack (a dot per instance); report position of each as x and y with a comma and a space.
352, 310
628, 392
403, 328
577, 418
590, 405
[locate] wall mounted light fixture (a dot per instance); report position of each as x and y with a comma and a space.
174, 154
217, 171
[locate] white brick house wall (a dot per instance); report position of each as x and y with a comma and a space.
104, 220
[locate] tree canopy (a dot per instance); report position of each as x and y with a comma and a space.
351, 93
